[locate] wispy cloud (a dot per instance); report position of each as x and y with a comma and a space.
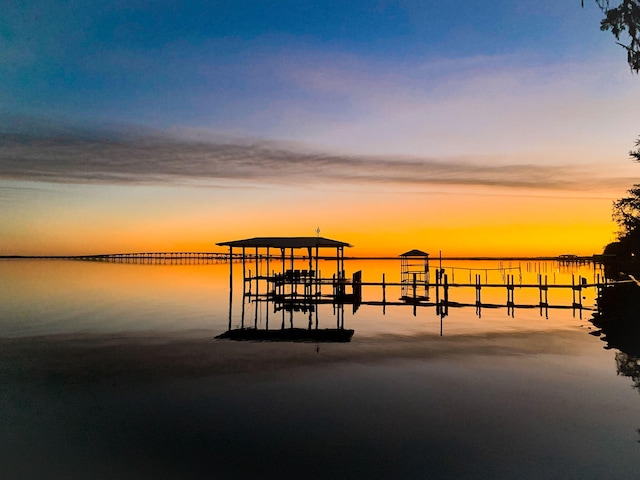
139, 157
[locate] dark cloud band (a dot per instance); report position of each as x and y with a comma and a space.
144, 158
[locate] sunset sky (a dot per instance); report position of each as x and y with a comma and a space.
471, 128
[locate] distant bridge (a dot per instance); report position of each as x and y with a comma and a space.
174, 258
215, 257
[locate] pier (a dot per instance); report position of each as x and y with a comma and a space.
159, 258
295, 289
282, 280
441, 294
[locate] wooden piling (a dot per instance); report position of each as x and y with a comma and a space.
384, 290
446, 294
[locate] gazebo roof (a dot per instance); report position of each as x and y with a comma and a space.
414, 253
285, 242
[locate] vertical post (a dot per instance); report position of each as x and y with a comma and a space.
230, 285
291, 260
282, 324
414, 293
317, 274
438, 275
573, 295
478, 295
582, 282
446, 294
513, 301
257, 276
414, 285
243, 302
255, 313
510, 296
540, 291
268, 264
384, 295
244, 275
294, 285
283, 288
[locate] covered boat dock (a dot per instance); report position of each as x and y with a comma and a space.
285, 248
295, 285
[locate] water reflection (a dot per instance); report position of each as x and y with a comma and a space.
291, 301
126, 380
287, 296
618, 317
618, 320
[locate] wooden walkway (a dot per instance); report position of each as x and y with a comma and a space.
439, 294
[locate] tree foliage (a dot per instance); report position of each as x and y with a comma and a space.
626, 213
635, 154
626, 210
624, 22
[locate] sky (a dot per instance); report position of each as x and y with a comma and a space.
470, 128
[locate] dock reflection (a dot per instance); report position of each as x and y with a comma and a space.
286, 307
618, 320
281, 300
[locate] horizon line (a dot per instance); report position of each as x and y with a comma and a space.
352, 257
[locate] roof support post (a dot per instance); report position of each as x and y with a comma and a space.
268, 271
230, 285
257, 275
244, 257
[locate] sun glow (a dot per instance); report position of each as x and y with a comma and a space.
380, 222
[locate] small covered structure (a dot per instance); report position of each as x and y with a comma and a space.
262, 246
414, 275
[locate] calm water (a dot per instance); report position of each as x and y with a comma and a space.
112, 371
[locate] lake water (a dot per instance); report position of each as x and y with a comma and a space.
112, 370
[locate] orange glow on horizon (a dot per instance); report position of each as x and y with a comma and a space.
457, 222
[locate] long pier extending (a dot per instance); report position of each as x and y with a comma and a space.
146, 257
440, 289
438, 294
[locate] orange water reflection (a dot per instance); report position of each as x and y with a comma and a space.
41, 297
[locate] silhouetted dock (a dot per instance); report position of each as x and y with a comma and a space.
440, 294
295, 289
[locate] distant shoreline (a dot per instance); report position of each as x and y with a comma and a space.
432, 258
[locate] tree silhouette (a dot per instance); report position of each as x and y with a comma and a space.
626, 212
623, 21
635, 154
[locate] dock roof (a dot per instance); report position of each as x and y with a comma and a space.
285, 242
414, 253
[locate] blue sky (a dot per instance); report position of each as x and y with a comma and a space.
357, 100
213, 63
